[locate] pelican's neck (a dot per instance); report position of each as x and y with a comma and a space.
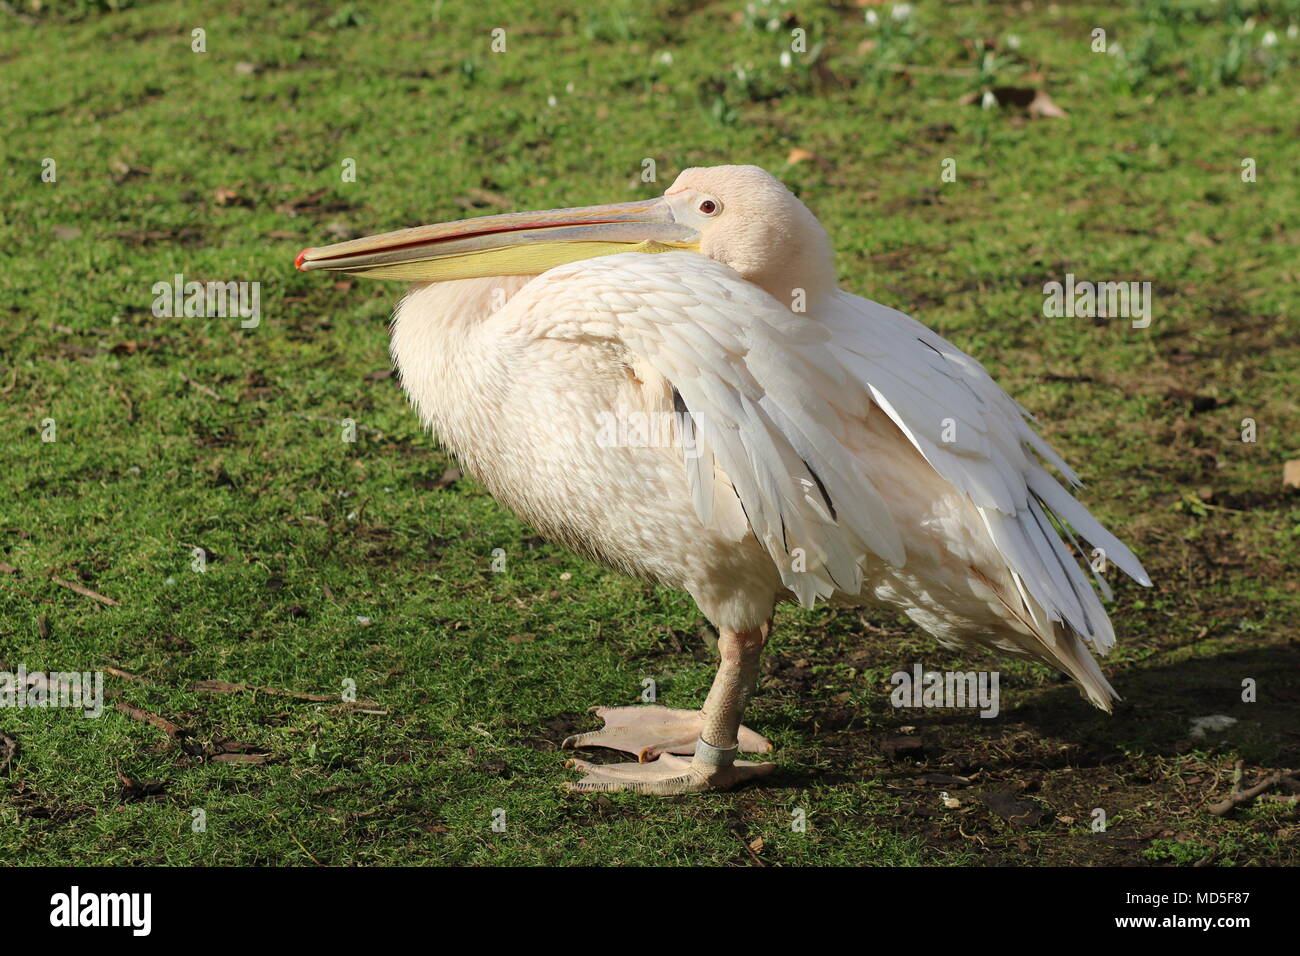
802, 283
445, 360
800, 292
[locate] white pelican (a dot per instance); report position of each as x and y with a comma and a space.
842, 450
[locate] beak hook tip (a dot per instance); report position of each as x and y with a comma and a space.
297, 263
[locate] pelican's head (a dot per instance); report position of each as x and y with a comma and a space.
740, 216
748, 220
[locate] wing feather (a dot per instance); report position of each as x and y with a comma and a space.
771, 395
921, 382
764, 394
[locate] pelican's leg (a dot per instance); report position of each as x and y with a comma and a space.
717, 728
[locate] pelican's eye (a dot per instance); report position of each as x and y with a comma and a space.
709, 207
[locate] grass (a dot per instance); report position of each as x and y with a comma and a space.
370, 562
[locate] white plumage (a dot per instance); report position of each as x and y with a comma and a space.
845, 452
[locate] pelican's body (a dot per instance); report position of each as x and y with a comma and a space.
519, 404
841, 450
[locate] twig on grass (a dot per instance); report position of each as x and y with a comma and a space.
1238, 797
84, 591
20, 17
222, 687
33, 597
118, 672
8, 750
174, 731
200, 387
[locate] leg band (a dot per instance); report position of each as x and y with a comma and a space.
705, 752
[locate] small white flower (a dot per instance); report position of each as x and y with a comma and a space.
786, 59
666, 58
552, 102
1013, 42
1269, 39
988, 101
872, 18
900, 12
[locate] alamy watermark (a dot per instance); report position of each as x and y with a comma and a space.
1105, 300
922, 688
628, 428
75, 908
82, 690
210, 300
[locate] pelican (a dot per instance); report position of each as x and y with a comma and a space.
828, 447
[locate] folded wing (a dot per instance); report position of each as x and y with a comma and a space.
979, 438
768, 403
770, 394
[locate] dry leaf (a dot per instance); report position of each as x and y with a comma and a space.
225, 196
124, 171
476, 198
138, 790
1011, 808
898, 746
292, 207
241, 758
1042, 105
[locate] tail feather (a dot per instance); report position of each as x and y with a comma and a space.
1073, 656
1058, 645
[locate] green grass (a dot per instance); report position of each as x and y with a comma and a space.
222, 165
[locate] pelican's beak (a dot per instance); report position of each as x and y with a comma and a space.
519, 243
